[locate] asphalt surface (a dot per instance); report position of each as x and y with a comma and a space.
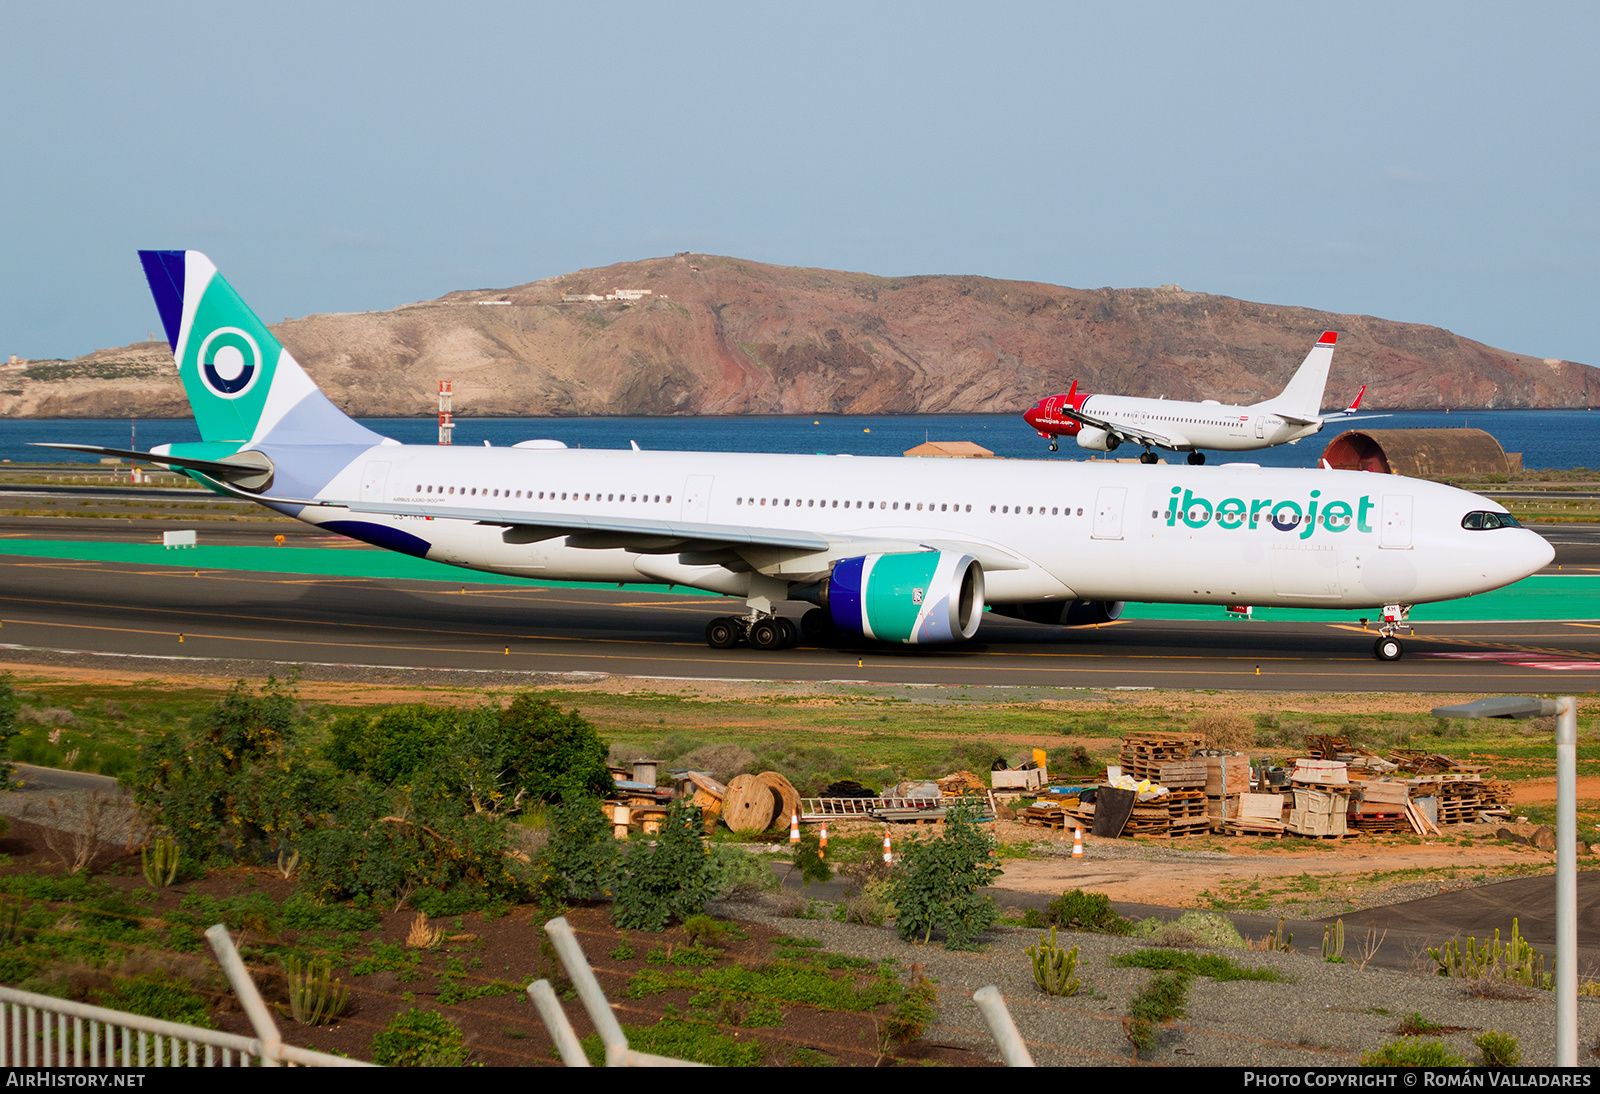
231, 621
240, 619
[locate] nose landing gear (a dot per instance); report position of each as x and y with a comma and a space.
1388, 647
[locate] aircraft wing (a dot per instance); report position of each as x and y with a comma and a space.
1142, 435
789, 552
1355, 417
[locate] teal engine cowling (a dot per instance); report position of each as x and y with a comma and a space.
914, 597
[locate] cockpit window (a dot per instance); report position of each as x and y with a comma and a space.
1483, 521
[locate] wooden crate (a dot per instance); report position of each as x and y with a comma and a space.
1227, 775
1182, 774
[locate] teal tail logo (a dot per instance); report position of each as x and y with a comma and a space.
243, 386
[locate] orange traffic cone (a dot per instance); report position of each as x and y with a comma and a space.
822, 841
794, 828
1077, 843
888, 852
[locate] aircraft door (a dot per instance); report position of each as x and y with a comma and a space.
1109, 503
697, 497
1261, 428
1396, 530
373, 481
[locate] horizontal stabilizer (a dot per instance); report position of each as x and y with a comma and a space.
248, 470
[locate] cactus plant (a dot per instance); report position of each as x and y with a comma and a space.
315, 995
1053, 966
1513, 961
1333, 943
160, 861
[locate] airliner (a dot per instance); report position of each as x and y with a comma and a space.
894, 550
1102, 423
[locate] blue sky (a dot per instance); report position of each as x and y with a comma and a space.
1433, 163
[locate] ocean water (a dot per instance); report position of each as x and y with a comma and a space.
1546, 438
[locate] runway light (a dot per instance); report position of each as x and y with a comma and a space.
508, 649
180, 638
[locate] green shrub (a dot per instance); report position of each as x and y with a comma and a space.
419, 1038
1496, 1049
916, 1011
158, 997
1412, 1053
9, 704
580, 860
393, 746
555, 754
1205, 930
1164, 999
236, 781
738, 873
935, 886
387, 843
667, 881
1077, 910
1211, 965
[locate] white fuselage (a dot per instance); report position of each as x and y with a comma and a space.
1204, 425
1227, 534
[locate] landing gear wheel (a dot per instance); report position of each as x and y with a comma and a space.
1148, 457
816, 625
1197, 458
766, 634
1054, 447
722, 633
791, 633
1388, 649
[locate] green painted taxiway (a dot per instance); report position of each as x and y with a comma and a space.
1538, 598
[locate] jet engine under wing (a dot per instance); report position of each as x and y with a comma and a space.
1137, 434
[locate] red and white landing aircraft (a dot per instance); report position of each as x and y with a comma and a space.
1103, 422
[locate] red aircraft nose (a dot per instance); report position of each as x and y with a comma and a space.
1032, 415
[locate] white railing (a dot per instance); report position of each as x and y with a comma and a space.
43, 1031
615, 1042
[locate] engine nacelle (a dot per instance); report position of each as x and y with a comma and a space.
1064, 613
1091, 436
914, 597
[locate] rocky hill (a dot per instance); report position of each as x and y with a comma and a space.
724, 336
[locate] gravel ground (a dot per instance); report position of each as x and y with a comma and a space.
1328, 1016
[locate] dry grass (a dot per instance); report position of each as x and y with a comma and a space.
421, 936
1223, 730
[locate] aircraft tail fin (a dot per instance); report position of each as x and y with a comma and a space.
243, 386
1302, 398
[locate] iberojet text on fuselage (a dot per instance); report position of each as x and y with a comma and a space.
1333, 515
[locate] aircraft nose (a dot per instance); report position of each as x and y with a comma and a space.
1031, 415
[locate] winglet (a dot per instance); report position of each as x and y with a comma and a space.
1329, 337
1355, 404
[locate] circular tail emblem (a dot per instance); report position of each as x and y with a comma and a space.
229, 362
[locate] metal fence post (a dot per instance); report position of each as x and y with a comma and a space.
1002, 1027
555, 1020
249, 997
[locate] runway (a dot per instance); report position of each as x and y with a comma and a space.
196, 619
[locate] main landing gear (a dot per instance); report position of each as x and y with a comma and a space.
761, 632
1197, 458
1149, 457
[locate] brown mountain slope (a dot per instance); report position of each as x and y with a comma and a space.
725, 336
